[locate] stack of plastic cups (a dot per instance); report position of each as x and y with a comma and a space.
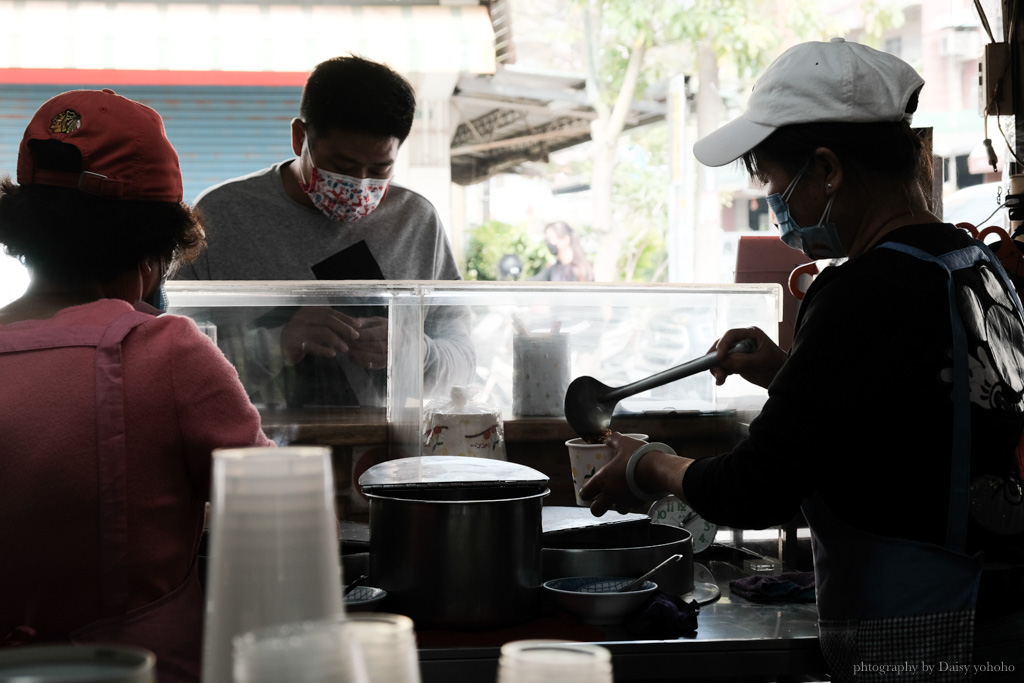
310, 652
554, 661
388, 644
273, 547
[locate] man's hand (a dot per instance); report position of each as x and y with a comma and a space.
370, 349
319, 330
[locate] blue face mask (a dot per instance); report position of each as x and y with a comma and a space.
158, 298
818, 242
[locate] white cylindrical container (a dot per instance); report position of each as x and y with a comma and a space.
540, 374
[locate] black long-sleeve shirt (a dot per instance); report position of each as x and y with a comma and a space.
862, 410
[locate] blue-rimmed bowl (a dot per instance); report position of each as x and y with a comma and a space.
364, 599
597, 600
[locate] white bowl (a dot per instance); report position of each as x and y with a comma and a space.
596, 600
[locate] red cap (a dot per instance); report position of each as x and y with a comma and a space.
125, 152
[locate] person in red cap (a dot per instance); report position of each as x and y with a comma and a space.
894, 423
110, 411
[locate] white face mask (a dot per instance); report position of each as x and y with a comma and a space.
343, 197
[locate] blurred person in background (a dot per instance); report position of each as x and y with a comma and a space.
571, 263
110, 410
894, 423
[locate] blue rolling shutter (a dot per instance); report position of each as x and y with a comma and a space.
219, 132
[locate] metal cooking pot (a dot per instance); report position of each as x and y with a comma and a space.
455, 541
627, 549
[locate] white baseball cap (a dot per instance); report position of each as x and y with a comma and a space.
817, 82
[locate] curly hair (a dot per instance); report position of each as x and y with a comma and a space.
74, 235
356, 95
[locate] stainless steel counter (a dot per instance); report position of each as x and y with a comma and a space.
736, 640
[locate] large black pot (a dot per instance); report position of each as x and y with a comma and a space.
456, 541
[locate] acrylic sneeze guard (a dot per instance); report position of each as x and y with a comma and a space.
442, 334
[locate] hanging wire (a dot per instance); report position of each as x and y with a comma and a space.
1011, 37
989, 217
984, 20
996, 92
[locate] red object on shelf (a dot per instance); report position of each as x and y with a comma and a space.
766, 258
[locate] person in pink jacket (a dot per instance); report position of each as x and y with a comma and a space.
108, 410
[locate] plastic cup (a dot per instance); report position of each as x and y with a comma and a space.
554, 661
388, 644
273, 546
78, 663
541, 368
307, 652
586, 459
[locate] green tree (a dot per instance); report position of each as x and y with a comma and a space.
492, 240
640, 203
621, 35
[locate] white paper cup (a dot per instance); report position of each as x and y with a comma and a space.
541, 368
554, 661
273, 546
586, 459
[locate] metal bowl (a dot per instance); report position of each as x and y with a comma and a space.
596, 600
364, 599
624, 549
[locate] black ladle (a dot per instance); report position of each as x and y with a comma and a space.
589, 404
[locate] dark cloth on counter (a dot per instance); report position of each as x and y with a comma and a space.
861, 413
667, 616
785, 587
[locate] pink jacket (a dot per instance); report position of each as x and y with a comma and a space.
181, 399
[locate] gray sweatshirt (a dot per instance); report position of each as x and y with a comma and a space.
255, 231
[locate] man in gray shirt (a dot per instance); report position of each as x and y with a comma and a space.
333, 213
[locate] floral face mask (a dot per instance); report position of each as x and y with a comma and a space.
343, 197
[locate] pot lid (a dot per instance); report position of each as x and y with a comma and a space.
443, 471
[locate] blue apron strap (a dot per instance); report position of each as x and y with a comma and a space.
960, 465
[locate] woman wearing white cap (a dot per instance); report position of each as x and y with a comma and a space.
893, 423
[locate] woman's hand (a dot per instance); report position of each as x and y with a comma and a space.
607, 488
758, 367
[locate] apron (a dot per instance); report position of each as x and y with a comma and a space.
896, 609
170, 627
